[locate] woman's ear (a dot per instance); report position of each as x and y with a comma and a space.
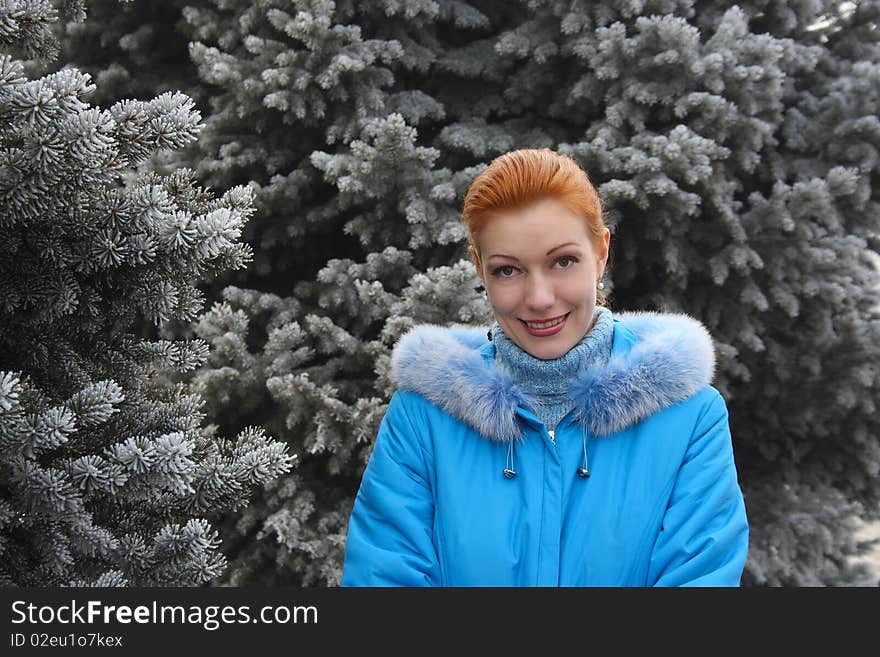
602, 260
475, 258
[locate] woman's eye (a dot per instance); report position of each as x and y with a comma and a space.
504, 272
566, 261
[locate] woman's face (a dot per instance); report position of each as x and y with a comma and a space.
540, 270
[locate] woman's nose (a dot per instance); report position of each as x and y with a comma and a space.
539, 294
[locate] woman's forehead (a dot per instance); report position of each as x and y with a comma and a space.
533, 229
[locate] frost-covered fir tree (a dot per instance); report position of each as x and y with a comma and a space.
736, 149
108, 475
287, 82
131, 49
324, 358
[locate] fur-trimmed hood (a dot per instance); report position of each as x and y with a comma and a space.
657, 359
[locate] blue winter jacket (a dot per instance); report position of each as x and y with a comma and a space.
661, 505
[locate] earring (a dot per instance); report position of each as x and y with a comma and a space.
601, 285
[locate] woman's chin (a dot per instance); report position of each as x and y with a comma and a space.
545, 348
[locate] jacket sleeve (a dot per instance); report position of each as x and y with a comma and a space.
704, 535
389, 539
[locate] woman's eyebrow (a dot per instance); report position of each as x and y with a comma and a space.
501, 255
560, 246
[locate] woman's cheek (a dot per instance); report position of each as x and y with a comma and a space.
503, 299
578, 290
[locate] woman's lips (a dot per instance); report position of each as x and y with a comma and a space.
545, 332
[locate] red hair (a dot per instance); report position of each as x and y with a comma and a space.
519, 178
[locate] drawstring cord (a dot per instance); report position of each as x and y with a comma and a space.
509, 472
584, 471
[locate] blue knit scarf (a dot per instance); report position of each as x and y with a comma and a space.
549, 380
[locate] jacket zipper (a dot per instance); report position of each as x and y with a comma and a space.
552, 435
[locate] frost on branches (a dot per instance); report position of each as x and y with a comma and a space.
708, 131
108, 476
736, 152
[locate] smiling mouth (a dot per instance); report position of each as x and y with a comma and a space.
547, 323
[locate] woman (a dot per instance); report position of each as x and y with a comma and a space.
571, 448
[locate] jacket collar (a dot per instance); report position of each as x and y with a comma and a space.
657, 360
